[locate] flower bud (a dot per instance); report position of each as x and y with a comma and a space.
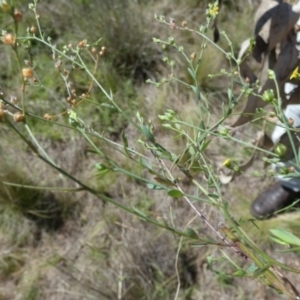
268, 96
227, 163
280, 149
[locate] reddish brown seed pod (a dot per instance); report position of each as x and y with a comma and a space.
18, 15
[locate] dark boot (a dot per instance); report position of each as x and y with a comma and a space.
274, 198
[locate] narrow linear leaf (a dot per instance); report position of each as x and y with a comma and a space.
278, 241
192, 73
191, 233
125, 142
215, 196
146, 163
286, 236
261, 271
204, 145
164, 181
146, 131
139, 213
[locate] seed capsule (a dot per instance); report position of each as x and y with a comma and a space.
27, 72
8, 39
18, 15
19, 117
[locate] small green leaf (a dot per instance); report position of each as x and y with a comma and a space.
146, 163
102, 169
191, 233
239, 273
175, 193
286, 236
193, 88
230, 94
152, 186
278, 241
146, 131
215, 196
261, 271
204, 145
125, 142
110, 107
192, 73
252, 268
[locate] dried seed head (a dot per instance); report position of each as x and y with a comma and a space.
94, 50
184, 24
13, 99
27, 62
101, 53
8, 39
19, 117
82, 43
47, 117
33, 29
27, 72
291, 169
173, 24
103, 48
291, 121
247, 80
193, 56
18, 15
58, 64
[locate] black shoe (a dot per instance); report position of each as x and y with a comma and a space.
274, 198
